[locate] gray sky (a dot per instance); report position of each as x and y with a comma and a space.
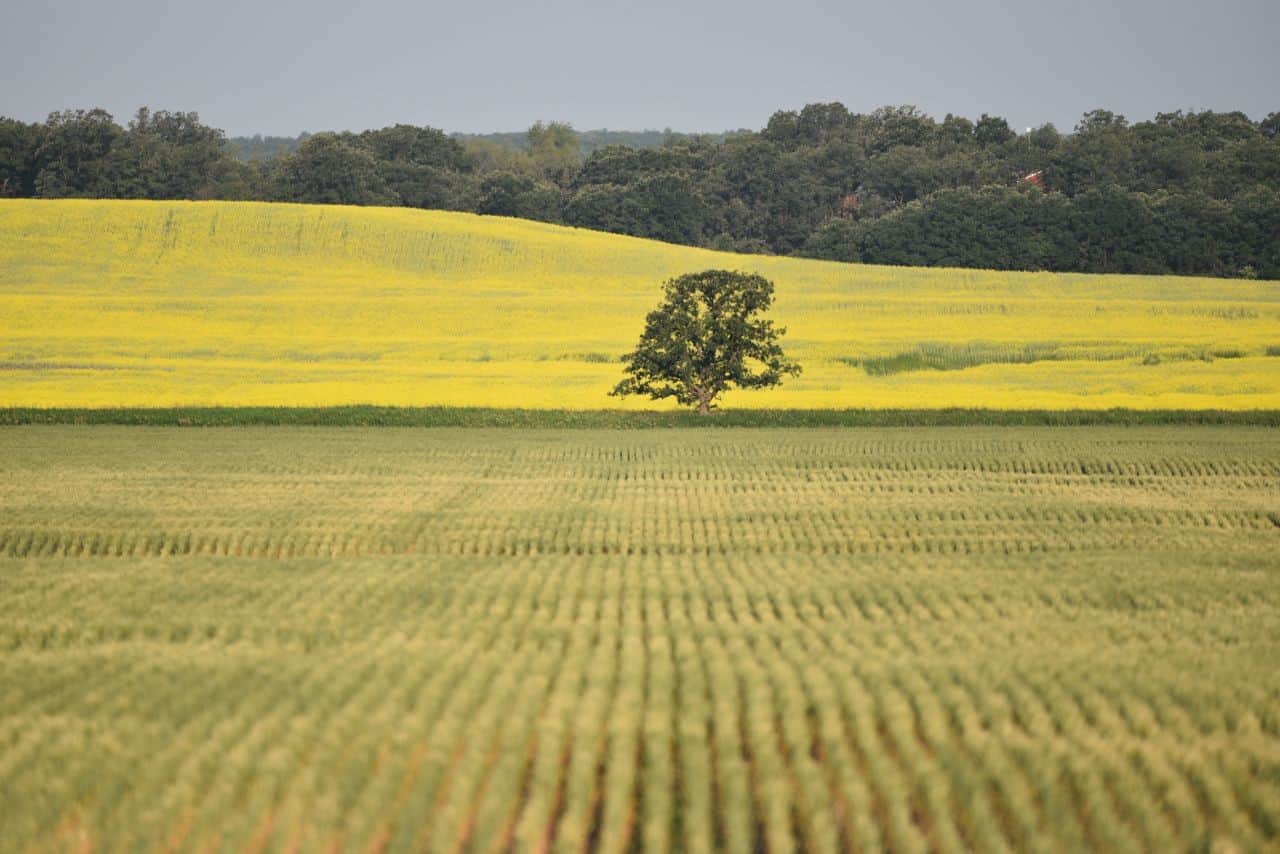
283, 66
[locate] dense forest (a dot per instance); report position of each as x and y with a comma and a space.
1188, 193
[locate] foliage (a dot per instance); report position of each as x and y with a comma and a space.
73, 157
421, 167
170, 156
513, 194
111, 303
332, 169
766, 640
1104, 229
707, 336
812, 181
553, 152
662, 208
18, 144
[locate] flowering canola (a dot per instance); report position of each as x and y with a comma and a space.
121, 303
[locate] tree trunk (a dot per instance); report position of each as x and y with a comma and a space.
704, 400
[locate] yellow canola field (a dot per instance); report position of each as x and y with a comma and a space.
115, 303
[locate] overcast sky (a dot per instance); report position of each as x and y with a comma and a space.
284, 66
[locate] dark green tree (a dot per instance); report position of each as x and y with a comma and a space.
331, 169
955, 132
512, 194
993, 130
707, 335
903, 174
74, 159
171, 155
890, 127
1100, 153
422, 167
663, 207
813, 125
18, 144
1255, 229
763, 193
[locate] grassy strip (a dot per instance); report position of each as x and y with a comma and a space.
444, 416
941, 356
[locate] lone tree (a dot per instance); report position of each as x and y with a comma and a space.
705, 336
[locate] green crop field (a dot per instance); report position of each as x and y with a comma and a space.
913, 638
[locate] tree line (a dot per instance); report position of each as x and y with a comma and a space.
1183, 192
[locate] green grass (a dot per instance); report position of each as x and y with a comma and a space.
956, 357
616, 419
1010, 638
941, 356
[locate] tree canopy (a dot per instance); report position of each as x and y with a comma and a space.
707, 335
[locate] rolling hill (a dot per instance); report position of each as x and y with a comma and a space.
120, 303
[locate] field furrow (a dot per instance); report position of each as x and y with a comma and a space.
945, 639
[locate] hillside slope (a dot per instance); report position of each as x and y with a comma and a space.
114, 303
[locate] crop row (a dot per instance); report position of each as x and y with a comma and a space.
1115, 690
699, 704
